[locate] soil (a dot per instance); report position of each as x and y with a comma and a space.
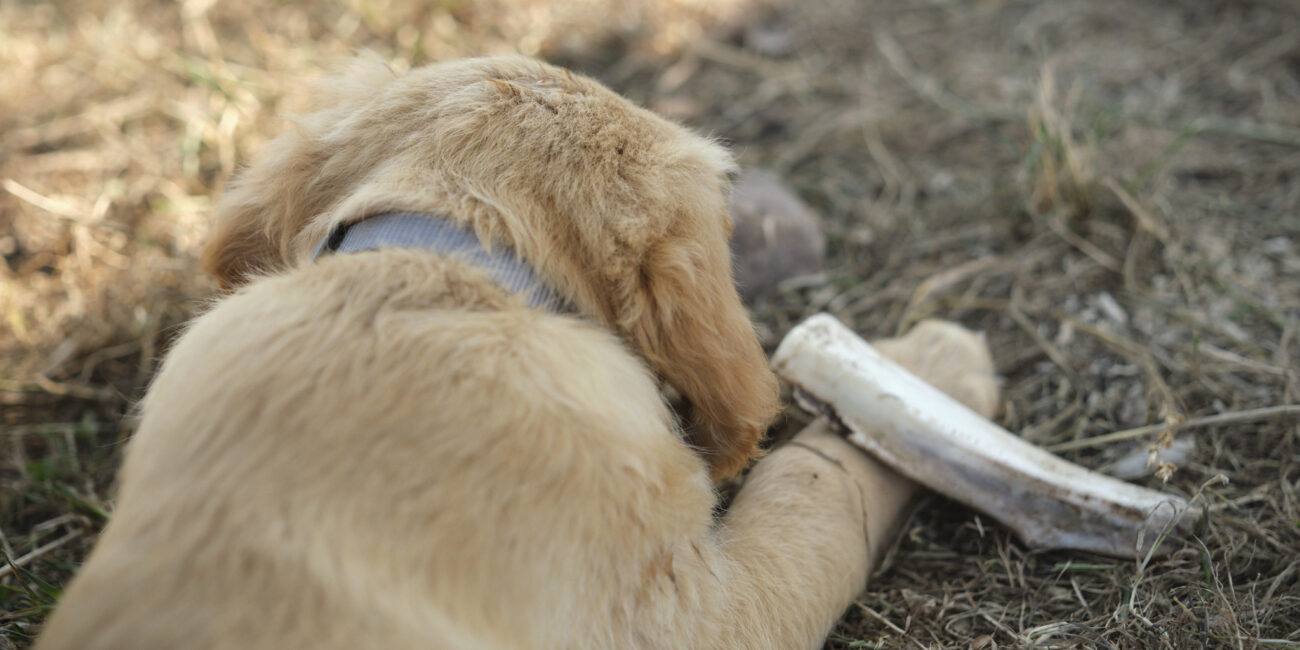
1109, 190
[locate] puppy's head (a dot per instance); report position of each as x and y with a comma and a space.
622, 212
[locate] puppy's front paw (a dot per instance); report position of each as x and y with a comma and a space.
952, 359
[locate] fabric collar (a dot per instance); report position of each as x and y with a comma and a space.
444, 236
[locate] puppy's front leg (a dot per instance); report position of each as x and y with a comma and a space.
815, 516
812, 519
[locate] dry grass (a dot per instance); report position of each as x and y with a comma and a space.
1110, 190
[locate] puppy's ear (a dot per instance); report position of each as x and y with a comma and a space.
296, 175
694, 331
260, 212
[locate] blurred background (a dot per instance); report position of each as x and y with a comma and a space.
1110, 190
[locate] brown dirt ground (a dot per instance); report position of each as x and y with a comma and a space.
1110, 190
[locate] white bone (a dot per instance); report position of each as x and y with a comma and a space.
938, 442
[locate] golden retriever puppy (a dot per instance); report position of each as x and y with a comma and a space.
389, 443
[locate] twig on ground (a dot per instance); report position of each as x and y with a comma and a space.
40, 428
1014, 311
943, 280
876, 615
38, 552
1251, 415
930, 88
1146, 221
52, 206
1057, 225
45, 385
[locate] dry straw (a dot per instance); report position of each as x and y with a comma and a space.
1107, 189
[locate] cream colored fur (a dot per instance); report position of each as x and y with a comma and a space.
386, 450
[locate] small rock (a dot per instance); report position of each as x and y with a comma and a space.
768, 31
1139, 462
1110, 307
1277, 246
777, 237
770, 40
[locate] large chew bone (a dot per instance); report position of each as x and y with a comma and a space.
934, 440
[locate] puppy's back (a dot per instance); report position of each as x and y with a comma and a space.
345, 457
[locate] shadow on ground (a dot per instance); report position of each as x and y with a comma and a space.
1109, 190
